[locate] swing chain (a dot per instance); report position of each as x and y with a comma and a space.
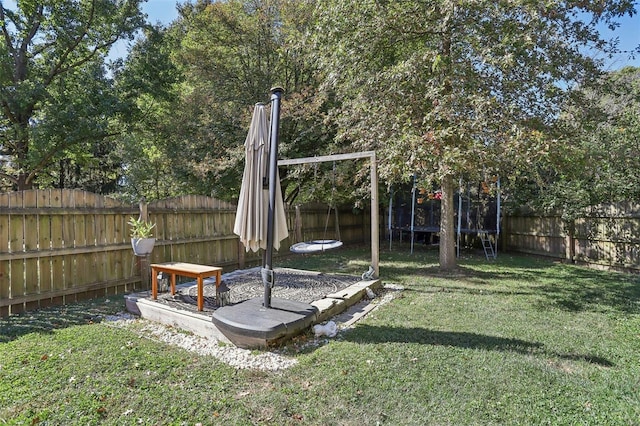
331, 202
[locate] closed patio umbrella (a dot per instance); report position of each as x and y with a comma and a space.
260, 206
253, 204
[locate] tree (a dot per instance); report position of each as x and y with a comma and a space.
614, 140
55, 97
150, 83
228, 55
454, 88
597, 155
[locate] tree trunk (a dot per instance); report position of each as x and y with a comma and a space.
447, 225
21, 152
571, 241
23, 183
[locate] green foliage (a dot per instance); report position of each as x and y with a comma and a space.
595, 156
56, 99
449, 89
452, 88
150, 82
220, 58
140, 228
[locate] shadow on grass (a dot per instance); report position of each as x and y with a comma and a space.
475, 271
577, 289
47, 320
364, 333
467, 290
551, 284
368, 334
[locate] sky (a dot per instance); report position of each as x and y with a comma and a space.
158, 11
163, 11
629, 35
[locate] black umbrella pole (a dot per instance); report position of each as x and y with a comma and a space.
267, 273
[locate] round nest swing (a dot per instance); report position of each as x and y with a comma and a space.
315, 246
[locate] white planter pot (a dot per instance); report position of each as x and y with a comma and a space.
142, 246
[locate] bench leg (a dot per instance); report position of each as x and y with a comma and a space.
200, 293
154, 284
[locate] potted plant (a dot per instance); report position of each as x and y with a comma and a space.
142, 240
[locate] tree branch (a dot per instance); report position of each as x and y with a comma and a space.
46, 160
10, 178
7, 111
20, 57
7, 37
88, 57
57, 69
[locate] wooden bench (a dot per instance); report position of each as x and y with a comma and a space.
191, 270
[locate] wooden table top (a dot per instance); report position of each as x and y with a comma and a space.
193, 268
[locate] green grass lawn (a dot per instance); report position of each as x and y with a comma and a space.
517, 341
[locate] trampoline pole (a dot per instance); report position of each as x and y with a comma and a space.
459, 216
413, 209
499, 206
390, 225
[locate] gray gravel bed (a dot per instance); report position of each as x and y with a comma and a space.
291, 284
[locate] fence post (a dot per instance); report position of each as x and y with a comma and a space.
241, 251
298, 224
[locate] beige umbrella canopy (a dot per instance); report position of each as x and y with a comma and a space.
253, 204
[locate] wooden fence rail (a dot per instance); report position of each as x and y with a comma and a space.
59, 246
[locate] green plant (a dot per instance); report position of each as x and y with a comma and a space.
141, 228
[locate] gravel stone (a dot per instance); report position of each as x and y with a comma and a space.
232, 355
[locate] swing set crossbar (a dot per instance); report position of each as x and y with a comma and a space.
327, 158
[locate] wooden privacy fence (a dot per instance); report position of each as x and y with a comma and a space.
608, 236
60, 246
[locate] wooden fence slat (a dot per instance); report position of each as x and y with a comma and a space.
31, 232
56, 225
17, 282
67, 199
16, 235
160, 231
55, 197
44, 280
79, 231
4, 233
5, 279
57, 278
15, 199
121, 229
90, 230
32, 284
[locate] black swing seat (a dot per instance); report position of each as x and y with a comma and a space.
315, 246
